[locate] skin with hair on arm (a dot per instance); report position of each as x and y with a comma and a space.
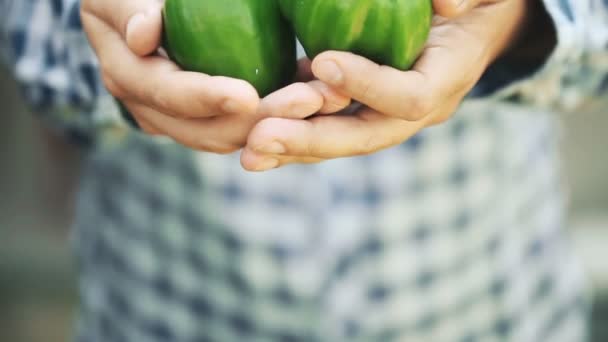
465, 39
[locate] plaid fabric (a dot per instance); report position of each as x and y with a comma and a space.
455, 235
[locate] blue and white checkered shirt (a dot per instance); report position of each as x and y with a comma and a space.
455, 235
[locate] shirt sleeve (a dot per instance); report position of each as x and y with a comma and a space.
575, 72
47, 52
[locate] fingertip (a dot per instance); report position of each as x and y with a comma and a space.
240, 97
337, 68
323, 57
305, 101
144, 30
249, 97
255, 162
335, 106
248, 160
333, 100
297, 101
328, 71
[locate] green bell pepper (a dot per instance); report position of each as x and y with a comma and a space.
389, 32
244, 39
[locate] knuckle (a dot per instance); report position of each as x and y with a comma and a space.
201, 106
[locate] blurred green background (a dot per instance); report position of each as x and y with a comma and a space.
37, 180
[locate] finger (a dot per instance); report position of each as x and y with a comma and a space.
304, 73
138, 22
330, 136
454, 8
305, 143
333, 101
296, 101
159, 84
410, 95
217, 135
406, 95
254, 161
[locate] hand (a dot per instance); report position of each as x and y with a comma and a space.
397, 104
213, 114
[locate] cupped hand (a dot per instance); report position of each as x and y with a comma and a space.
396, 104
206, 113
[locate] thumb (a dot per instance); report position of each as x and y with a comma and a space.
138, 22
454, 8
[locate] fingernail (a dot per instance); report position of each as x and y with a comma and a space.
267, 164
134, 21
329, 72
274, 147
232, 107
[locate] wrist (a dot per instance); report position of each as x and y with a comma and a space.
526, 50
535, 38
508, 27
